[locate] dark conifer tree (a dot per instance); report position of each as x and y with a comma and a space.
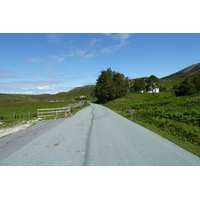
110, 85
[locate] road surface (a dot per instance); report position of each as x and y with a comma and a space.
95, 136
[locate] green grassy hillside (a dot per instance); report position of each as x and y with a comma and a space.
190, 72
175, 79
70, 95
77, 92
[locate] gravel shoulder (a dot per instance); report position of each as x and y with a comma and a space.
22, 126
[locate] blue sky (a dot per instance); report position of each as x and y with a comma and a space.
37, 63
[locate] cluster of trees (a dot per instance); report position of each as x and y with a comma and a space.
145, 84
188, 86
111, 85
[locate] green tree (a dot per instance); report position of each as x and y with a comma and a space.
110, 85
152, 83
196, 81
186, 87
129, 83
139, 85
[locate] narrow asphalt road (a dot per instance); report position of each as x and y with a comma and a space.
95, 136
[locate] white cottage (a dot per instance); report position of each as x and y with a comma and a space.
151, 90
155, 90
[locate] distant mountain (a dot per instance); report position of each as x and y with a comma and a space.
191, 71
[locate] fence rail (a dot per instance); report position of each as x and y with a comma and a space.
48, 112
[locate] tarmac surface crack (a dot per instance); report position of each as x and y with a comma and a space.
87, 147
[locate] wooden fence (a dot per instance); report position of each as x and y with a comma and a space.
48, 112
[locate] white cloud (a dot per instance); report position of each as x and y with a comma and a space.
48, 62
112, 48
57, 59
35, 60
89, 55
76, 77
119, 36
44, 87
30, 87
77, 52
76, 73
56, 75
94, 42
82, 53
11, 74
55, 38
96, 47
124, 36
121, 40
107, 49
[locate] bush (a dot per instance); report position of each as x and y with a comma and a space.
187, 87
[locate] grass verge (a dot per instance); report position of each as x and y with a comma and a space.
174, 118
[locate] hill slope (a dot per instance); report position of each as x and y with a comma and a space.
77, 92
191, 71
72, 94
